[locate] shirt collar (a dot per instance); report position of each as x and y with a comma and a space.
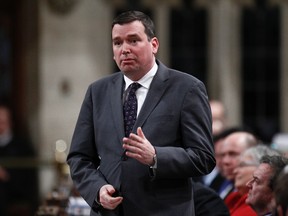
146, 80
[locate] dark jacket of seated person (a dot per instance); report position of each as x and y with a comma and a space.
208, 202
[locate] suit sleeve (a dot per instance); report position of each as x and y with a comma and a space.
83, 158
195, 155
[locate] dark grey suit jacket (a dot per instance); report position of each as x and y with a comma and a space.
175, 118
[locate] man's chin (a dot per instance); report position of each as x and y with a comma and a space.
127, 69
127, 72
247, 201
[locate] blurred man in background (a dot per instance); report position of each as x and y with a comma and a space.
229, 153
18, 180
261, 196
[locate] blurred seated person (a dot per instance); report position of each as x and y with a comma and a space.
281, 193
229, 153
18, 183
249, 160
215, 179
207, 201
218, 116
280, 143
261, 196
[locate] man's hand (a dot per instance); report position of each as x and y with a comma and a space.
106, 198
139, 148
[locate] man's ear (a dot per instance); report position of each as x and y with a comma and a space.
155, 45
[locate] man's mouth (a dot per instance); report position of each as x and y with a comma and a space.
127, 60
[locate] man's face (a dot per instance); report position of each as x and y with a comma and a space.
260, 194
217, 148
243, 173
218, 117
133, 52
230, 151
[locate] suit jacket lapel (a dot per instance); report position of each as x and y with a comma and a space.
157, 89
116, 92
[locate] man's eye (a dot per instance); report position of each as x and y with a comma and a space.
116, 43
256, 180
133, 41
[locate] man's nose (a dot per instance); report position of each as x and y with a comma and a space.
249, 183
225, 159
125, 48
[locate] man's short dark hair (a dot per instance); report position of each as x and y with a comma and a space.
131, 16
277, 163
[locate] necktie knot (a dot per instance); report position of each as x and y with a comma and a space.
133, 87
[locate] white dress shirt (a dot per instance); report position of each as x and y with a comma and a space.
145, 83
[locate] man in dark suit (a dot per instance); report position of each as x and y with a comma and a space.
148, 171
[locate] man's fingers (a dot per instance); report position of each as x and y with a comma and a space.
140, 133
111, 202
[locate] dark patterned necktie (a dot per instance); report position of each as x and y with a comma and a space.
130, 108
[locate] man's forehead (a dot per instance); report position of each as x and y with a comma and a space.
263, 170
228, 145
127, 34
132, 25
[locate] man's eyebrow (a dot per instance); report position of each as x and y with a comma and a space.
129, 36
133, 35
116, 38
